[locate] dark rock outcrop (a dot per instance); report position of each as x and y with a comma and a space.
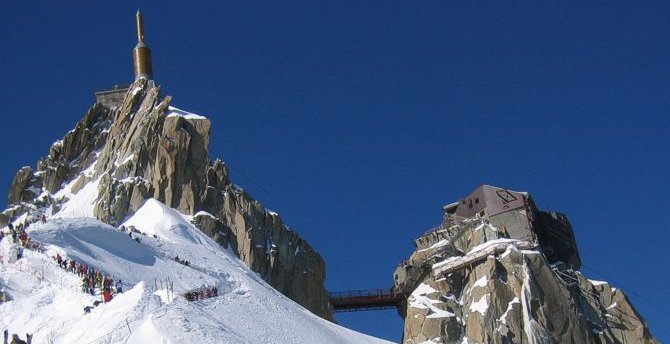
19, 191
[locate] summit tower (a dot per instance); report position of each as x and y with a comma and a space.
141, 53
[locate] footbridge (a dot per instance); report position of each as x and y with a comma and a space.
365, 300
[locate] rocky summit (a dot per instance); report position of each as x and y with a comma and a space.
130, 146
498, 270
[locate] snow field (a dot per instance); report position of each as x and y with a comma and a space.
47, 300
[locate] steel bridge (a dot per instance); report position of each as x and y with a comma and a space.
365, 300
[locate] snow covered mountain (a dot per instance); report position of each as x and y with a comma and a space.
126, 192
47, 301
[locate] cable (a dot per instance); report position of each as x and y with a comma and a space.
628, 290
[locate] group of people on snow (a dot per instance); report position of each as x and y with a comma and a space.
91, 278
201, 294
19, 235
20, 238
182, 261
131, 230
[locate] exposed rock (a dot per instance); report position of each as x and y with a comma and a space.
469, 281
120, 198
181, 162
142, 149
263, 242
213, 227
18, 191
69, 156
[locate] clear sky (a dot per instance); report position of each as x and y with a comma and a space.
358, 120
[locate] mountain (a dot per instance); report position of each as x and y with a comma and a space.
47, 301
131, 192
498, 270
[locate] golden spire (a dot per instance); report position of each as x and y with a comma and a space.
141, 53
140, 28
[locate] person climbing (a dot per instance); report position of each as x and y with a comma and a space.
119, 287
44, 219
106, 296
84, 285
17, 340
23, 236
14, 236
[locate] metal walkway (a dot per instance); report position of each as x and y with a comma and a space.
365, 300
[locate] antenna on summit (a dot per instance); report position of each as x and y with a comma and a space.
140, 27
141, 53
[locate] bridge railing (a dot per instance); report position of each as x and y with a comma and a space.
352, 294
365, 300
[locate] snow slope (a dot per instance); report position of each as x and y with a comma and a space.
47, 300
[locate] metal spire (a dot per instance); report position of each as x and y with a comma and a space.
141, 53
140, 28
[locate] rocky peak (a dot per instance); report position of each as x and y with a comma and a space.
144, 148
497, 270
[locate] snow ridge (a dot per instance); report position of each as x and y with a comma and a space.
47, 301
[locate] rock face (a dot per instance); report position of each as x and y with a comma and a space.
472, 282
143, 148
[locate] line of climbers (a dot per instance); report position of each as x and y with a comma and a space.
201, 294
20, 237
131, 230
91, 278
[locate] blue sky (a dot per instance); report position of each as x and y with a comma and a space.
358, 120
